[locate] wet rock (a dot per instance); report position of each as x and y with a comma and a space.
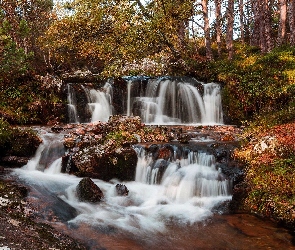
56, 129
14, 161
184, 138
69, 142
122, 190
88, 191
161, 165
99, 162
165, 152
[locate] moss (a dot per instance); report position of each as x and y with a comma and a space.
24, 142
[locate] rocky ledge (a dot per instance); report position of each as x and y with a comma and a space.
106, 150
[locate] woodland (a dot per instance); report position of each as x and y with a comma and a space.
247, 46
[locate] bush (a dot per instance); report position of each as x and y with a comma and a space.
255, 83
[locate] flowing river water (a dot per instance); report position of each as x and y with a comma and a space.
181, 209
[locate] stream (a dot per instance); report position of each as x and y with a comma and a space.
180, 203
182, 208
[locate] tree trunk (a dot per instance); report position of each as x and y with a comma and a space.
282, 23
209, 55
230, 28
218, 24
291, 15
255, 32
242, 23
268, 24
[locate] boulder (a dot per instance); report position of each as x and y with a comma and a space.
88, 191
14, 161
122, 190
99, 162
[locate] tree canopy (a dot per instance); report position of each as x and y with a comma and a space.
156, 37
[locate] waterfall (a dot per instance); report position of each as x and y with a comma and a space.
97, 103
176, 101
184, 188
185, 178
160, 101
72, 105
48, 154
129, 85
212, 104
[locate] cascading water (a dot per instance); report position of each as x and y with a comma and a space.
72, 105
154, 100
186, 178
98, 103
176, 101
185, 190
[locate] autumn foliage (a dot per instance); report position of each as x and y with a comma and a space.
269, 173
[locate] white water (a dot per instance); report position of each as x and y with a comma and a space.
176, 102
186, 194
129, 85
72, 105
99, 103
164, 101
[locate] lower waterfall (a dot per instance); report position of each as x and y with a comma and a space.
184, 191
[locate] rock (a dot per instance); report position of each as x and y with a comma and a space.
122, 190
184, 138
14, 161
69, 142
165, 153
106, 164
56, 128
88, 191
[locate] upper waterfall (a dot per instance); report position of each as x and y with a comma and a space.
161, 101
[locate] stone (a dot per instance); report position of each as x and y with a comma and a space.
122, 190
106, 164
88, 191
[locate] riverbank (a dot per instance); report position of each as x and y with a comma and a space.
20, 224
267, 188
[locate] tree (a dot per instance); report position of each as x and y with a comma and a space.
230, 28
27, 21
218, 18
207, 29
282, 22
291, 15
242, 21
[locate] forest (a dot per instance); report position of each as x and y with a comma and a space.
247, 46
